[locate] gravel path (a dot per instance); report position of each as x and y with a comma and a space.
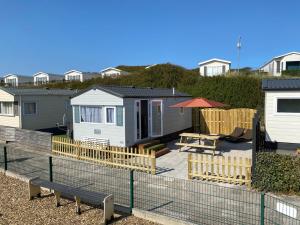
15, 208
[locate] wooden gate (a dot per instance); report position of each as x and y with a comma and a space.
221, 121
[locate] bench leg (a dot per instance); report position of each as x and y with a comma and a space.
77, 200
180, 142
108, 209
34, 191
57, 198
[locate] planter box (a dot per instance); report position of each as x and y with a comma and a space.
162, 152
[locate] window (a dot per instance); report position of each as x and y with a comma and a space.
41, 80
181, 112
293, 65
288, 105
90, 114
277, 66
214, 70
74, 77
29, 108
7, 108
110, 114
11, 82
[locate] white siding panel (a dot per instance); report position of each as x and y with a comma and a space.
281, 127
50, 110
96, 97
115, 134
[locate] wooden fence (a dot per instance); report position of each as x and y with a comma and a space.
119, 157
221, 121
234, 170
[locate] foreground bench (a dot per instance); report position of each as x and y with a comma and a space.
79, 195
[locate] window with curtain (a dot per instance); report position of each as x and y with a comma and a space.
11, 81
110, 115
7, 108
90, 114
41, 80
214, 70
29, 108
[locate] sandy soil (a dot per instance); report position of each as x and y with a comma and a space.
15, 208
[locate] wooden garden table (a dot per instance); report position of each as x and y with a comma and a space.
212, 138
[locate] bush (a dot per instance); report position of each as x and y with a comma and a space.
238, 91
293, 73
242, 91
277, 173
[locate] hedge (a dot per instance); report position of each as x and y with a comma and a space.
242, 91
277, 173
295, 73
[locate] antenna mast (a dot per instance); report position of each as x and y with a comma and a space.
239, 46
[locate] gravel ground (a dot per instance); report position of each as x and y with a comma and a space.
15, 208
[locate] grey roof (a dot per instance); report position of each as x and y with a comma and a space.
137, 92
38, 91
281, 84
91, 74
18, 75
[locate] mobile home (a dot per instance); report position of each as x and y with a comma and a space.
34, 109
44, 78
15, 80
125, 116
282, 111
75, 75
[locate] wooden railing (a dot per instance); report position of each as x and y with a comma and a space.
234, 170
119, 157
221, 121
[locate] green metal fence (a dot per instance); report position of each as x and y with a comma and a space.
193, 201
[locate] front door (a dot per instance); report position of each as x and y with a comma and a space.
144, 119
141, 119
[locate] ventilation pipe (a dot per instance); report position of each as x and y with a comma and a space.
173, 89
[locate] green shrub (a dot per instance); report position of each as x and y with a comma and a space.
156, 147
277, 173
238, 91
295, 73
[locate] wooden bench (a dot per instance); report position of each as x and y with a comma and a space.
79, 195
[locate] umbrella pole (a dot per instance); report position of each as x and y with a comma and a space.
199, 127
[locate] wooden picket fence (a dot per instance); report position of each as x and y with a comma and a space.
221, 121
118, 157
234, 170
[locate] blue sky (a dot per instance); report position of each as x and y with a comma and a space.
58, 35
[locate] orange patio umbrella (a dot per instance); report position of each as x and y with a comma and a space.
199, 103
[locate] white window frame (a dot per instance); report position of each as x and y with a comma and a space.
115, 116
37, 81
140, 121
8, 81
13, 111
284, 113
101, 114
214, 70
162, 117
36, 108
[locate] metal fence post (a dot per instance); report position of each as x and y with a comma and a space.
131, 190
5, 157
262, 208
50, 169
